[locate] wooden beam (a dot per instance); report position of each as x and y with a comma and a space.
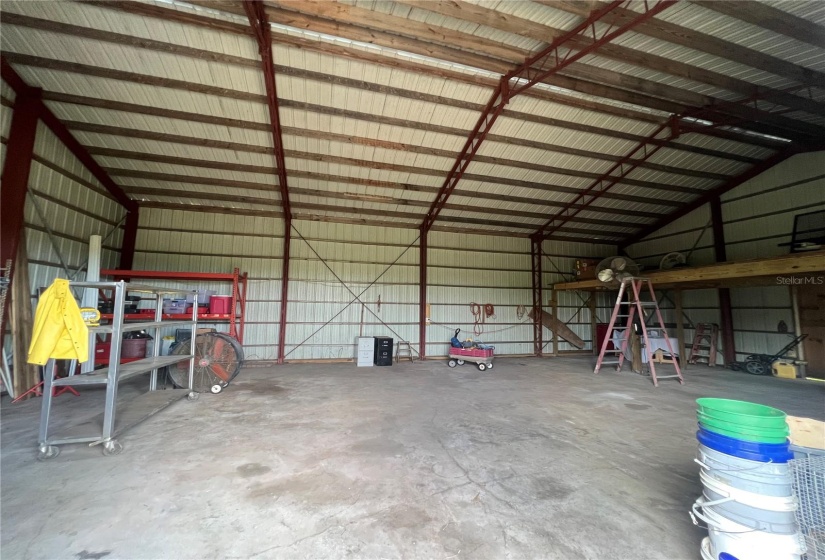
342, 220
768, 17
191, 162
364, 25
404, 187
348, 139
187, 51
87, 70
702, 42
233, 196
527, 28
198, 197
764, 270
253, 125
377, 58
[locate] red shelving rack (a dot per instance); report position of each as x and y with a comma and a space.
235, 318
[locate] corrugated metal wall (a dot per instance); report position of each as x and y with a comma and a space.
65, 197
465, 269
758, 217
362, 257
376, 264
558, 266
179, 241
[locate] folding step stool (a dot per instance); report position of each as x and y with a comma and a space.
403, 350
705, 343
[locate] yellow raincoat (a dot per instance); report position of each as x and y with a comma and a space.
59, 331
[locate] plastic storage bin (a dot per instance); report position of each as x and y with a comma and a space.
220, 305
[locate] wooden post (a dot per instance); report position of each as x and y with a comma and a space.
593, 322
680, 328
636, 363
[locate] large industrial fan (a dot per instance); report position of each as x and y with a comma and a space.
672, 260
613, 270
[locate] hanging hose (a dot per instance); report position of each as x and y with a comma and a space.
489, 311
480, 315
478, 318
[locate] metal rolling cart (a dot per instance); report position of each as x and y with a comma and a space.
117, 417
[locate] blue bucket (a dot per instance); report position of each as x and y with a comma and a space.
752, 451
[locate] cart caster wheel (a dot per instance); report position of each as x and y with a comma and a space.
482, 367
47, 452
216, 388
460, 362
489, 366
112, 448
193, 396
452, 363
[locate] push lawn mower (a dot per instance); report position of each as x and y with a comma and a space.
760, 364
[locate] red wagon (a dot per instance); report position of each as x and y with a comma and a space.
482, 357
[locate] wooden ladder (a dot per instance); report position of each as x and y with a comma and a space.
403, 350
705, 343
636, 305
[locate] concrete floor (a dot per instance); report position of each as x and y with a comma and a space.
534, 459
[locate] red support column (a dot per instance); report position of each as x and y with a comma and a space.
15, 179
284, 290
422, 294
127, 248
725, 306
536, 255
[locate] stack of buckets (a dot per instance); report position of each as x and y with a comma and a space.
747, 501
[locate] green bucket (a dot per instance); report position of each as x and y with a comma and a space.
743, 413
743, 432
743, 420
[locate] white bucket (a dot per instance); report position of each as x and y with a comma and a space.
768, 479
705, 548
739, 542
755, 511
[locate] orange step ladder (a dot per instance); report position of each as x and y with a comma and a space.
635, 290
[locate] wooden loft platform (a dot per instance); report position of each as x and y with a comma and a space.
756, 272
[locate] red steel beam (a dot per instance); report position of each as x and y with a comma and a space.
15, 180
536, 255
127, 248
284, 291
263, 34
725, 305
422, 295
648, 147
536, 68
59, 129
618, 171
